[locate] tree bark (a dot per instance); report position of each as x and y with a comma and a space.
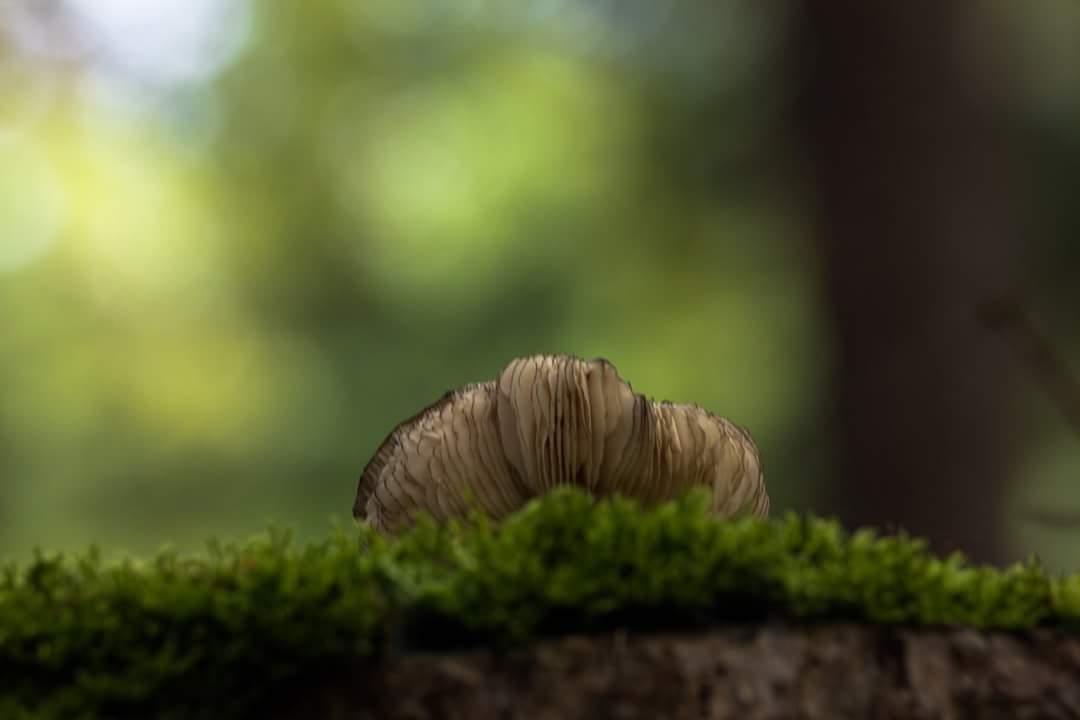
828, 672
917, 228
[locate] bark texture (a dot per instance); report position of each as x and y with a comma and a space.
827, 672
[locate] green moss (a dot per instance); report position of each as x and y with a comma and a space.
186, 636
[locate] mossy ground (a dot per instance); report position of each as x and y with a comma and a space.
206, 636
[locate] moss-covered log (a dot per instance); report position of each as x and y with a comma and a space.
239, 630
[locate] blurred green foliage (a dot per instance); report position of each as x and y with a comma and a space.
249, 283
219, 291
187, 636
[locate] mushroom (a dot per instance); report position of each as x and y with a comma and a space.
549, 421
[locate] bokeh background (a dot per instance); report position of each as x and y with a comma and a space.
240, 240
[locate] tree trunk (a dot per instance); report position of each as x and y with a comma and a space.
916, 230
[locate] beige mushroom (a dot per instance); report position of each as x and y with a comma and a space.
547, 421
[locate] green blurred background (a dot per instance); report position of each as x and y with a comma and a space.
239, 241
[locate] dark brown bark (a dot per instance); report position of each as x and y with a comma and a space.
828, 672
917, 228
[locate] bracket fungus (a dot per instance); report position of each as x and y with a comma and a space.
547, 421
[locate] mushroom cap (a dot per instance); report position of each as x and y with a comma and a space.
549, 421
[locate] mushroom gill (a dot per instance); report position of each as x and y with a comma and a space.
547, 421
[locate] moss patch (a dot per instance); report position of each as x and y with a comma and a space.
207, 636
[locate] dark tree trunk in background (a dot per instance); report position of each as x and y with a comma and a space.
916, 229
